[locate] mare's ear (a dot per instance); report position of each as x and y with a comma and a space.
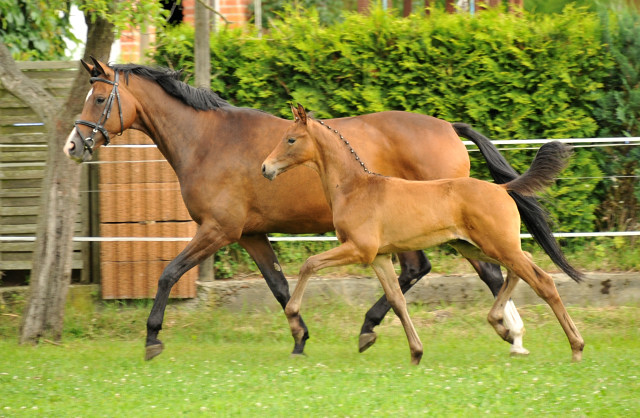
295, 112
302, 114
87, 67
97, 67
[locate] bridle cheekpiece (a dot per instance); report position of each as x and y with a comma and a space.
89, 142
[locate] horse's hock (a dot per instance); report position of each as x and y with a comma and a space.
139, 196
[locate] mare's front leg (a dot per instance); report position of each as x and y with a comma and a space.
491, 275
346, 253
260, 249
209, 239
414, 265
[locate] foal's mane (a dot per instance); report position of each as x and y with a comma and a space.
169, 80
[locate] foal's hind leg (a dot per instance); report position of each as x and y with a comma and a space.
491, 275
260, 250
496, 315
414, 265
544, 287
383, 267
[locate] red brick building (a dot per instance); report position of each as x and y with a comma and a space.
235, 12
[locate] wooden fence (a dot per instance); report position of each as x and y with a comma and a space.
119, 198
23, 153
140, 199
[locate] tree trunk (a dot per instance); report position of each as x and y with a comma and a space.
51, 272
202, 50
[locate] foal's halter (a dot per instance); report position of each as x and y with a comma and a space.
89, 142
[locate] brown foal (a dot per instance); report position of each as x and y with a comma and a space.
375, 216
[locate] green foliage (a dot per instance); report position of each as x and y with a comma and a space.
329, 11
556, 6
126, 14
35, 29
618, 115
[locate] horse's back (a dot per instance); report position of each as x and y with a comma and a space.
406, 145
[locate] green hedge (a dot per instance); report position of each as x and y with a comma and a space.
509, 76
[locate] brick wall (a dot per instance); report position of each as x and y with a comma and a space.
133, 44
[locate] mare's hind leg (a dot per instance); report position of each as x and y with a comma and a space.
207, 241
414, 265
491, 275
259, 248
544, 287
386, 274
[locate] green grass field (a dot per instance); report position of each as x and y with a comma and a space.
218, 363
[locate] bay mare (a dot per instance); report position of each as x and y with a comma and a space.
376, 215
216, 150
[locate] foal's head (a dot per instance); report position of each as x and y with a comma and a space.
297, 147
108, 110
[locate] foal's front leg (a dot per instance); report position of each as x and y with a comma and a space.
383, 266
414, 265
260, 249
346, 253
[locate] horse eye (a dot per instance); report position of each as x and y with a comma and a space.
291, 141
100, 100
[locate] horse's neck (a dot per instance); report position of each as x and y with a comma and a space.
172, 125
339, 171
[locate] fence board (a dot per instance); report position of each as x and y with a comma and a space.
20, 183
140, 200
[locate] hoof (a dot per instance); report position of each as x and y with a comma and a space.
415, 359
576, 356
518, 352
298, 355
153, 350
366, 341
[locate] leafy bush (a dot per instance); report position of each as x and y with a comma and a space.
618, 115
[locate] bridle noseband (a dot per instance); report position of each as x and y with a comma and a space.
89, 142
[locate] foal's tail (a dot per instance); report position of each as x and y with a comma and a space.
550, 160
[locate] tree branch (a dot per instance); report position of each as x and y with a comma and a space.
24, 88
211, 9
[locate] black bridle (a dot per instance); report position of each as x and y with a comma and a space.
89, 142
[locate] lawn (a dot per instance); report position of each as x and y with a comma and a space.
237, 364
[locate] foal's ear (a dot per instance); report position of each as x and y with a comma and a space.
295, 112
302, 114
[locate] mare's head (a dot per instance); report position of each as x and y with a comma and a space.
297, 147
108, 110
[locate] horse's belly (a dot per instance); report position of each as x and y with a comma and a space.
412, 242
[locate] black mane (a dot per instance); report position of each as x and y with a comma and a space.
169, 80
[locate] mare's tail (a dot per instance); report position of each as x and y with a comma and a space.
549, 161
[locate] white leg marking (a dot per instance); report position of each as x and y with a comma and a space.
514, 323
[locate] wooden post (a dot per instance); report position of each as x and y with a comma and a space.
203, 79
450, 6
363, 6
406, 8
202, 51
